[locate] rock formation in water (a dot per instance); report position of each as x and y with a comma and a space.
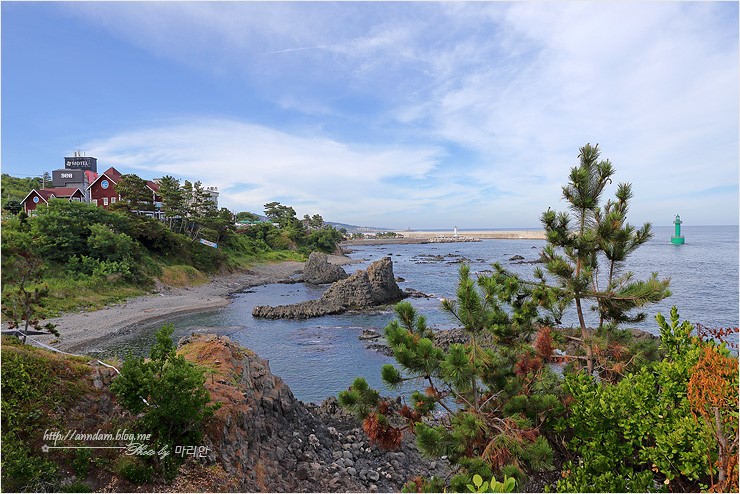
319, 271
374, 286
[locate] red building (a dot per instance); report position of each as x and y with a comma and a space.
35, 198
103, 188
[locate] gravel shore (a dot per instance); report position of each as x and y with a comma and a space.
80, 331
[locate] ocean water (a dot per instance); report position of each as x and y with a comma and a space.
319, 357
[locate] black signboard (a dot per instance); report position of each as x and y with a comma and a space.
81, 163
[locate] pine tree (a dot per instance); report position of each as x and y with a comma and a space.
173, 200
484, 430
135, 195
496, 389
574, 255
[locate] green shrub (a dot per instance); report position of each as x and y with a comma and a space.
134, 470
169, 391
632, 435
81, 462
76, 486
479, 485
23, 471
204, 258
111, 246
32, 385
101, 268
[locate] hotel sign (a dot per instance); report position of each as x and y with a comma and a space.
81, 163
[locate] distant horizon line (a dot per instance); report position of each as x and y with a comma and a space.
521, 228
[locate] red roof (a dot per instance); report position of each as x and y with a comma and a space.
112, 174
45, 193
153, 185
91, 176
61, 192
58, 192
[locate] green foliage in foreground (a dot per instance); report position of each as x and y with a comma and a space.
35, 384
497, 394
479, 485
169, 391
621, 419
642, 433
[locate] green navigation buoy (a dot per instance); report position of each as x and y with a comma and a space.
677, 239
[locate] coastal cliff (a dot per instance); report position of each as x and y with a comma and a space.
261, 439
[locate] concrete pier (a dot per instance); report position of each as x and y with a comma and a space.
483, 234
422, 237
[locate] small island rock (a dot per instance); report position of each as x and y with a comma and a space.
374, 286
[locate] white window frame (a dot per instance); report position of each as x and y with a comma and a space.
105, 201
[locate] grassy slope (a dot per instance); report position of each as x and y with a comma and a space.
69, 293
44, 391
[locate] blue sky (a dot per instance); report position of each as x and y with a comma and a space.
418, 114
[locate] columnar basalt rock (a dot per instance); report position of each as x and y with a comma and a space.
271, 442
384, 289
374, 286
319, 271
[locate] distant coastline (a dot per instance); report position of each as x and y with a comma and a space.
420, 237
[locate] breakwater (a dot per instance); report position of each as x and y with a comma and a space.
425, 237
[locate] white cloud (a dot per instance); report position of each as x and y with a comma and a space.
653, 83
343, 180
519, 86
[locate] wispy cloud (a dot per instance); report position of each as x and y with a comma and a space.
342, 180
485, 103
290, 50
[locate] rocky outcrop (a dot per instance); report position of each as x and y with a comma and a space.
374, 286
271, 442
303, 310
319, 271
382, 282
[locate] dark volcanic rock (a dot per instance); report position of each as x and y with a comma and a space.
354, 292
383, 285
381, 348
412, 293
270, 442
303, 310
318, 270
374, 286
369, 334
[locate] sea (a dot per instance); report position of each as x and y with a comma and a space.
319, 357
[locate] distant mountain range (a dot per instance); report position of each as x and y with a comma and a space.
360, 229
349, 228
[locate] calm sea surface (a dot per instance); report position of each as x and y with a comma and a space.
319, 357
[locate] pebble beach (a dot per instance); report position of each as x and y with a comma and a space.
81, 331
